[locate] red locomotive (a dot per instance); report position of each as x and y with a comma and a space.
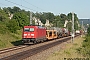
33, 34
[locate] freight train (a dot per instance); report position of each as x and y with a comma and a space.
35, 34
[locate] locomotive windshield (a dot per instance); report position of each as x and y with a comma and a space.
28, 29
32, 29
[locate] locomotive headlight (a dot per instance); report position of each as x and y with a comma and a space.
25, 34
32, 34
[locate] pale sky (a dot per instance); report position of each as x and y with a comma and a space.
80, 7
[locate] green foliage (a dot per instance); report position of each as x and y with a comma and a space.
45, 15
69, 26
3, 15
5, 10
2, 44
9, 39
12, 26
88, 30
76, 26
69, 18
21, 18
63, 17
14, 9
85, 49
3, 28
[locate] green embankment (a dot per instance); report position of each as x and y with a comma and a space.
8, 39
69, 51
85, 49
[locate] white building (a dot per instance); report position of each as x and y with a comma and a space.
65, 23
37, 21
47, 24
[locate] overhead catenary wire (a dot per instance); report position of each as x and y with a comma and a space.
33, 5
24, 7
20, 5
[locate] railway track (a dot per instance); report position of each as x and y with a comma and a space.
31, 52
12, 49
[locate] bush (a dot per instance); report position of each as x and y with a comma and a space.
3, 28
85, 49
12, 26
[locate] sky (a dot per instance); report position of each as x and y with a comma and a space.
80, 7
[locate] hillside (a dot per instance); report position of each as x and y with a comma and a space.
13, 19
9, 40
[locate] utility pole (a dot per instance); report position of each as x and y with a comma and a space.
72, 27
30, 18
82, 29
38, 22
82, 25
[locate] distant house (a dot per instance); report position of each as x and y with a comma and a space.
37, 21
65, 23
10, 15
48, 24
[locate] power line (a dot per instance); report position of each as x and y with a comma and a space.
19, 5
33, 5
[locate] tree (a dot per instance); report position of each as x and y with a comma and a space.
3, 15
5, 10
10, 9
57, 21
21, 18
63, 18
45, 15
69, 26
88, 30
14, 9
12, 26
69, 18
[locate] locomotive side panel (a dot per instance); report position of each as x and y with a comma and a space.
41, 34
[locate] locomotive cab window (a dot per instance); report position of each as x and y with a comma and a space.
31, 29
26, 29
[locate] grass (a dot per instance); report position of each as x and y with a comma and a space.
70, 51
7, 39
